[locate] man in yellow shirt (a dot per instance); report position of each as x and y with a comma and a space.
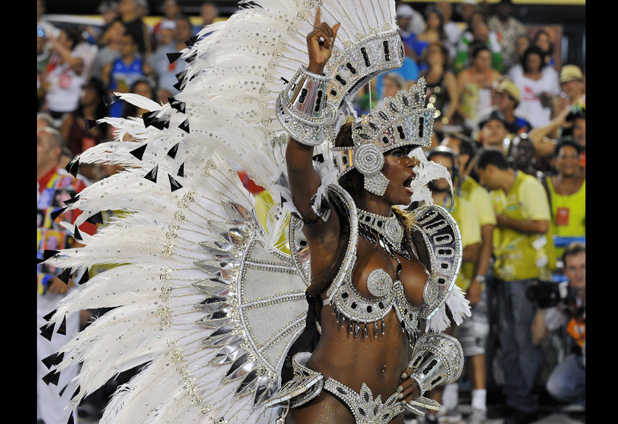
474, 331
523, 217
471, 339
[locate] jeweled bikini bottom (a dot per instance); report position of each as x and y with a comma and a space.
308, 384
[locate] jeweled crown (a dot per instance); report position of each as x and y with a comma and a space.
398, 121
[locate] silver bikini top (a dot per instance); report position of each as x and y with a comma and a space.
438, 240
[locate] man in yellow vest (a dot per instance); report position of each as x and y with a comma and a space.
473, 333
522, 217
466, 216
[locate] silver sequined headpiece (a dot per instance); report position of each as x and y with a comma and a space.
399, 121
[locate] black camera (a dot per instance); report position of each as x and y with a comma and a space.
547, 294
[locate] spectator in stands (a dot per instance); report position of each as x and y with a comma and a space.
506, 100
477, 31
521, 45
43, 54
567, 381
442, 90
433, 33
144, 88
79, 128
567, 191
475, 84
129, 11
109, 47
523, 218
391, 84
171, 12
108, 9
165, 72
508, 29
54, 187
409, 71
120, 74
538, 84
522, 156
64, 75
405, 17
467, 8
50, 30
452, 29
209, 13
569, 122
411, 21
492, 131
465, 147
572, 85
544, 40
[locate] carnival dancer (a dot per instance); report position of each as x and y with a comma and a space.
203, 295
368, 310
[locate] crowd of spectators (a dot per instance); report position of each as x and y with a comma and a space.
505, 106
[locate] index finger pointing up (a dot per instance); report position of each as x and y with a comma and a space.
317, 18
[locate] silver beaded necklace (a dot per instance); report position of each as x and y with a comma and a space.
388, 229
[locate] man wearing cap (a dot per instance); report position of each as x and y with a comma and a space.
492, 131
506, 99
572, 84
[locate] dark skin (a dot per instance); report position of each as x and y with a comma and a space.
380, 362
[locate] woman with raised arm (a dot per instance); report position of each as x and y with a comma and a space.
370, 292
208, 298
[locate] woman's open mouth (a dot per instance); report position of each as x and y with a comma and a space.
407, 184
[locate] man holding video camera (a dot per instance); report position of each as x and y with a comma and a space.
567, 381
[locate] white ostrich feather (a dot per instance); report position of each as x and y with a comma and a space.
458, 306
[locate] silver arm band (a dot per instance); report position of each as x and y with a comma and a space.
303, 108
437, 359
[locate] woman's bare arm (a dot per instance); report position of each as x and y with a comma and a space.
303, 178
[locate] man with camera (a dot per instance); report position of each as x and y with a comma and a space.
567, 381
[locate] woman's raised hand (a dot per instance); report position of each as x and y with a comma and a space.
320, 44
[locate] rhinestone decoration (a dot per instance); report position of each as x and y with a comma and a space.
368, 159
375, 183
443, 240
389, 230
379, 283
362, 61
364, 407
437, 359
400, 121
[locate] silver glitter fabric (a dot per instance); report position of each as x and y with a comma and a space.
389, 229
437, 359
240, 312
379, 283
440, 234
364, 407
352, 68
303, 110
304, 386
308, 384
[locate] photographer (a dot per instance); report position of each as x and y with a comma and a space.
568, 379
